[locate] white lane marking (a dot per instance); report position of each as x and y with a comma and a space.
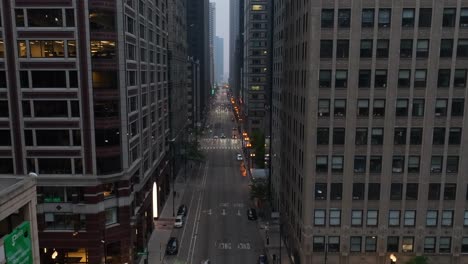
224, 204
238, 213
226, 246
243, 246
239, 205
224, 212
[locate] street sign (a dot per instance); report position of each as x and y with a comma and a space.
18, 245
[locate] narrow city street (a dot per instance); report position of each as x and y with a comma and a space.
217, 198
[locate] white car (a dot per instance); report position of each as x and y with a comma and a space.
239, 156
215, 137
179, 221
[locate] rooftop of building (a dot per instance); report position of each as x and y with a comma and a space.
12, 186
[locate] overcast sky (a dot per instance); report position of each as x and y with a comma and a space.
222, 27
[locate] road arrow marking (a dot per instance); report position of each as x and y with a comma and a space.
238, 212
224, 212
209, 212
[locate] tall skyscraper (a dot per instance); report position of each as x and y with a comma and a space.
256, 71
198, 47
369, 124
236, 45
219, 59
84, 104
212, 34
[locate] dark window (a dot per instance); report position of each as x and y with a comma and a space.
52, 138
358, 191
404, 78
333, 244
399, 136
50, 109
325, 79
105, 80
48, 79
459, 80
385, 15
367, 17
28, 137
336, 190
54, 166
108, 165
338, 136
4, 110
363, 107
464, 246
341, 79
375, 165
322, 136
446, 48
106, 109
26, 107
73, 79
464, 17
373, 193
6, 166
70, 17
3, 80
320, 191
107, 137
5, 138
462, 48
429, 244
422, 48
380, 79
436, 164
323, 107
418, 107
455, 136
344, 18
396, 191
377, 136
318, 244
101, 21
382, 48
413, 164
371, 244
355, 244
337, 164
327, 18
392, 243
360, 164
445, 245
321, 164
342, 48
438, 136
379, 107
45, 18
407, 19
425, 17
361, 136
443, 79
326, 48
19, 17
398, 164
401, 107
406, 48
24, 79
458, 106
412, 191
449, 17
339, 108
452, 164
364, 78
75, 108
366, 48
450, 191
420, 77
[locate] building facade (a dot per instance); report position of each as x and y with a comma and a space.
198, 48
219, 60
370, 130
193, 92
211, 39
256, 69
234, 35
90, 117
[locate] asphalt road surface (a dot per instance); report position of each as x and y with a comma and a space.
217, 198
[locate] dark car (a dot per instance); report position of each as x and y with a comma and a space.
252, 214
262, 259
182, 210
172, 246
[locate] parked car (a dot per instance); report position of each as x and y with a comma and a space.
215, 137
239, 156
179, 221
172, 246
182, 210
252, 214
223, 136
262, 259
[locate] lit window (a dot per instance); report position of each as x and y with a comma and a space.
46, 48
258, 7
103, 49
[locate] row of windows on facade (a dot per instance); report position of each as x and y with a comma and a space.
401, 136
409, 48
396, 218
75, 222
437, 163
383, 17
404, 78
403, 107
398, 191
360, 244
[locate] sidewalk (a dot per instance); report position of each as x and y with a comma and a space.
164, 224
270, 232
